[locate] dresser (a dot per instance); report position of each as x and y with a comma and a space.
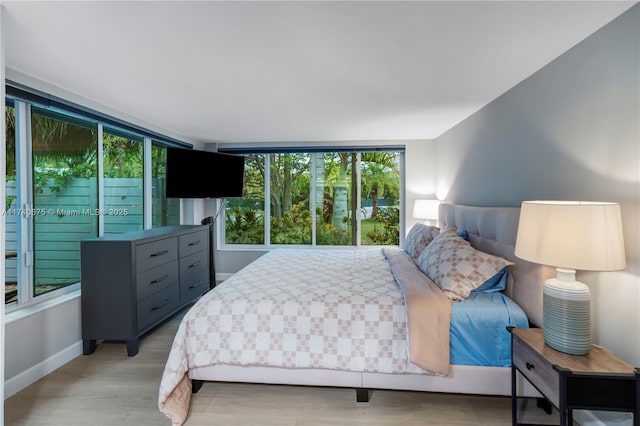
596, 381
132, 282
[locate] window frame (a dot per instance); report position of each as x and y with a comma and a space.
24, 99
221, 243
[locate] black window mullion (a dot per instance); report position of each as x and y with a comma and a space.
50, 102
64, 117
311, 149
123, 133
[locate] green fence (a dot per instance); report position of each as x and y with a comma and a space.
64, 217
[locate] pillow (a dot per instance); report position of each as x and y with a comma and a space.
418, 238
494, 284
457, 268
463, 234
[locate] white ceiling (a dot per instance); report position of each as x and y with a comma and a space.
294, 71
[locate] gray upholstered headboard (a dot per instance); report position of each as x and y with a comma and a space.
493, 230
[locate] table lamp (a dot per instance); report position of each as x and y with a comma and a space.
426, 209
570, 235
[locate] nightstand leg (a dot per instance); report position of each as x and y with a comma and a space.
563, 400
545, 405
636, 412
514, 398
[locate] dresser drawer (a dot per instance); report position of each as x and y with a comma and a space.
193, 242
194, 263
156, 253
197, 287
152, 280
194, 275
157, 306
537, 370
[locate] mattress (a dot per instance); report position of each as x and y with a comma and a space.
333, 309
478, 329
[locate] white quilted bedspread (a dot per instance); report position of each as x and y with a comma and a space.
346, 313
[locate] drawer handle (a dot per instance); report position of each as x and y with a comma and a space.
529, 366
191, 287
162, 305
160, 253
159, 279
194, 243
193, 265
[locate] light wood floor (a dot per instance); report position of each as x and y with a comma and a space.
108, 388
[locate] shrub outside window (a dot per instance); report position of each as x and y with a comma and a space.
318, 198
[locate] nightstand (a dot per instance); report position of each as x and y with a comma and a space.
596, 381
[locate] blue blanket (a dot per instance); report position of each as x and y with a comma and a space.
478, 329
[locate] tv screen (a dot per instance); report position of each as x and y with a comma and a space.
203, 174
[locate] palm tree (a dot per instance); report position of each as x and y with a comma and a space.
380, 177
341, 193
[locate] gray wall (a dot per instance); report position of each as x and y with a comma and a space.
569, 131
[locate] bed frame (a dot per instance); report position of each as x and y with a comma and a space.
492, 230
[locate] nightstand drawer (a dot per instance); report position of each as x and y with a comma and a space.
537, 370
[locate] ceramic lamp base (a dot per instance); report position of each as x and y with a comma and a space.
566, 317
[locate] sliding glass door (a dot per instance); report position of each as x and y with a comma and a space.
65, 196
10, 209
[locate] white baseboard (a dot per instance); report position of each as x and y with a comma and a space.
38, 371
223, 276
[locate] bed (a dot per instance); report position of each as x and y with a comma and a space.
362, 318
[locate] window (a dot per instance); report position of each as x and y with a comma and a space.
164, 211
335, 180
245, 216
70, 177
290, 177
319, 198
10, 205
65, 194
380, 189
123, 167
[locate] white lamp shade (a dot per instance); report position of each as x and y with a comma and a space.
571, 234
426, 209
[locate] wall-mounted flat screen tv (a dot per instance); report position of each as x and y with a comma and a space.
203, 174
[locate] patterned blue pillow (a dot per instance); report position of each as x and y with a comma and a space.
457, 268
494, 284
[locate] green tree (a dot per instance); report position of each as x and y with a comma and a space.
380, 176
10, 157
61, 152
288, 185
122, 157
341, 192
10, 140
